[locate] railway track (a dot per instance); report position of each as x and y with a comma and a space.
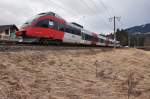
23, 47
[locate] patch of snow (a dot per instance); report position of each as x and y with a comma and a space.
143, 26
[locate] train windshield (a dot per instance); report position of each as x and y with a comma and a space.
32, 19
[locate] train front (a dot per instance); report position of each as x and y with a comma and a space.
44, 26
26, 29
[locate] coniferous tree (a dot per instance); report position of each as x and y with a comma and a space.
122, 36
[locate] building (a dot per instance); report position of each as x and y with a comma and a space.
145, 37
147, 41
8, 33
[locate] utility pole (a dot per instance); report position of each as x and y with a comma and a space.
115, 31
114, 20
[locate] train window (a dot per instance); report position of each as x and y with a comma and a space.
50, 24
61, 27
88, 37
101, 40
83, 36
53, 24
73, 30
67, 30
43, 23
7, 32
78, 32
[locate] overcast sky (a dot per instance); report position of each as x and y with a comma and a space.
92, 14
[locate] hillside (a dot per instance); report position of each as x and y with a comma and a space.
142, 29
75, 74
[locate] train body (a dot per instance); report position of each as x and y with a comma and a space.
51, 27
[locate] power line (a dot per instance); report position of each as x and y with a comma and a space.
96, 12
98, 8
62, 8
94, 4
76, 14
113, 12
76, 11
118, 25
66, 10
84, 2
105, 7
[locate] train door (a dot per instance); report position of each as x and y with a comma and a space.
94, 39
107, 41
83, 38
55, 30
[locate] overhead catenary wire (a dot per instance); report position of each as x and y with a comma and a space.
88, 7
120, 23
95, 12
62, 8
75, 14
105, 7
100, 9
112, 13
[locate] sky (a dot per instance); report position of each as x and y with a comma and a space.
92, 14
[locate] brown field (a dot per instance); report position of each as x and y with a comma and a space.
75, 74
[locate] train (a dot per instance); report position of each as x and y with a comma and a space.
50, 27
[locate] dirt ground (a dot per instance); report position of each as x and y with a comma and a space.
75, 74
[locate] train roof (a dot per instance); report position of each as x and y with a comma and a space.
76, 24
86, 32
51, 14
48, 13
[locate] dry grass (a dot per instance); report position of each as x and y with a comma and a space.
75, 74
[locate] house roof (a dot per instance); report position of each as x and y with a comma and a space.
5, 27
141, 34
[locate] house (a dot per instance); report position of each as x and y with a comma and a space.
8, 33
147, 41
141, 39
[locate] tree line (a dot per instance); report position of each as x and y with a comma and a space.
127, 39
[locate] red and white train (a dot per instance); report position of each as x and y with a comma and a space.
49, 26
